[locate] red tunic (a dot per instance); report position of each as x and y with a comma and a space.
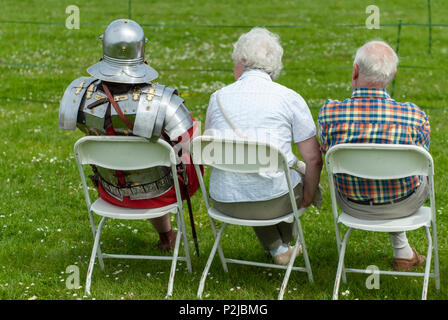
165, 199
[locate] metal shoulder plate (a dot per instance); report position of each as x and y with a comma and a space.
177, 118
71, 100
157, 103
147, 110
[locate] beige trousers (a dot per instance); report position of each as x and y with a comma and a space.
396, 210
270, 237
399, 209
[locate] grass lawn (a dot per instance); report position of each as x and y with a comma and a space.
44, 226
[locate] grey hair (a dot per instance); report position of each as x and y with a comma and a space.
259, 49
377, 62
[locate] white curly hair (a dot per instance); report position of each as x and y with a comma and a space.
259, 49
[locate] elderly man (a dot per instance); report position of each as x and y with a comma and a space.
255, 107
372, 116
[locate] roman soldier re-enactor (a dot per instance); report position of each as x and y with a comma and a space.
120, 99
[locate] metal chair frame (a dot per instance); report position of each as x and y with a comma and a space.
384, 161
201, 147
129, 153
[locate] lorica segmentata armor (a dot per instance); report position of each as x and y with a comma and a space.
154, 110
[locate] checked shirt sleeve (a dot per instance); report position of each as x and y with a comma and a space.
323, 127
423, 134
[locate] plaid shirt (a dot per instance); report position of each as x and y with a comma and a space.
372, 116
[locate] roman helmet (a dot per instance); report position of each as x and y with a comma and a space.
123, 55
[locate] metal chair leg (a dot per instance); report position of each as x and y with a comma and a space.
289, 269
209, 261
427, 265
99, 254
340, 265
183, 230
220, 252
305, 252
93, 255
338, 243
436, 257
173, 264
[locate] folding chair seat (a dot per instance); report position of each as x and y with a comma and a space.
241, 156
129, 153
378, 162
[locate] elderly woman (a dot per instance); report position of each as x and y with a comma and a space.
255, 106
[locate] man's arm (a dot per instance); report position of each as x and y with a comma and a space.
310, 151
322, 130
423, 133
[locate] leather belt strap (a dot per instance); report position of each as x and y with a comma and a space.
117, 108
142, 191
97, 103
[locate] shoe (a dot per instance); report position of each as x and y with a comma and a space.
283, 258
167, 240
401, 264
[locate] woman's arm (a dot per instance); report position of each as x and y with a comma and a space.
310, 151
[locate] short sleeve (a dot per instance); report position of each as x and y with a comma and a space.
424, 132
323, 134
209, 113
303, 126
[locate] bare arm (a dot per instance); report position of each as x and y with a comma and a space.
310, 151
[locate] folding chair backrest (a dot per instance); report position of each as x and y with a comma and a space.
240, 156
123, 153
379, 161
382, 162
236, 155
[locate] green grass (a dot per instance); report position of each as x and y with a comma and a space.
44, 226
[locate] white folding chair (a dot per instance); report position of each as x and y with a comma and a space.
240, 156
129, 153
384, 161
